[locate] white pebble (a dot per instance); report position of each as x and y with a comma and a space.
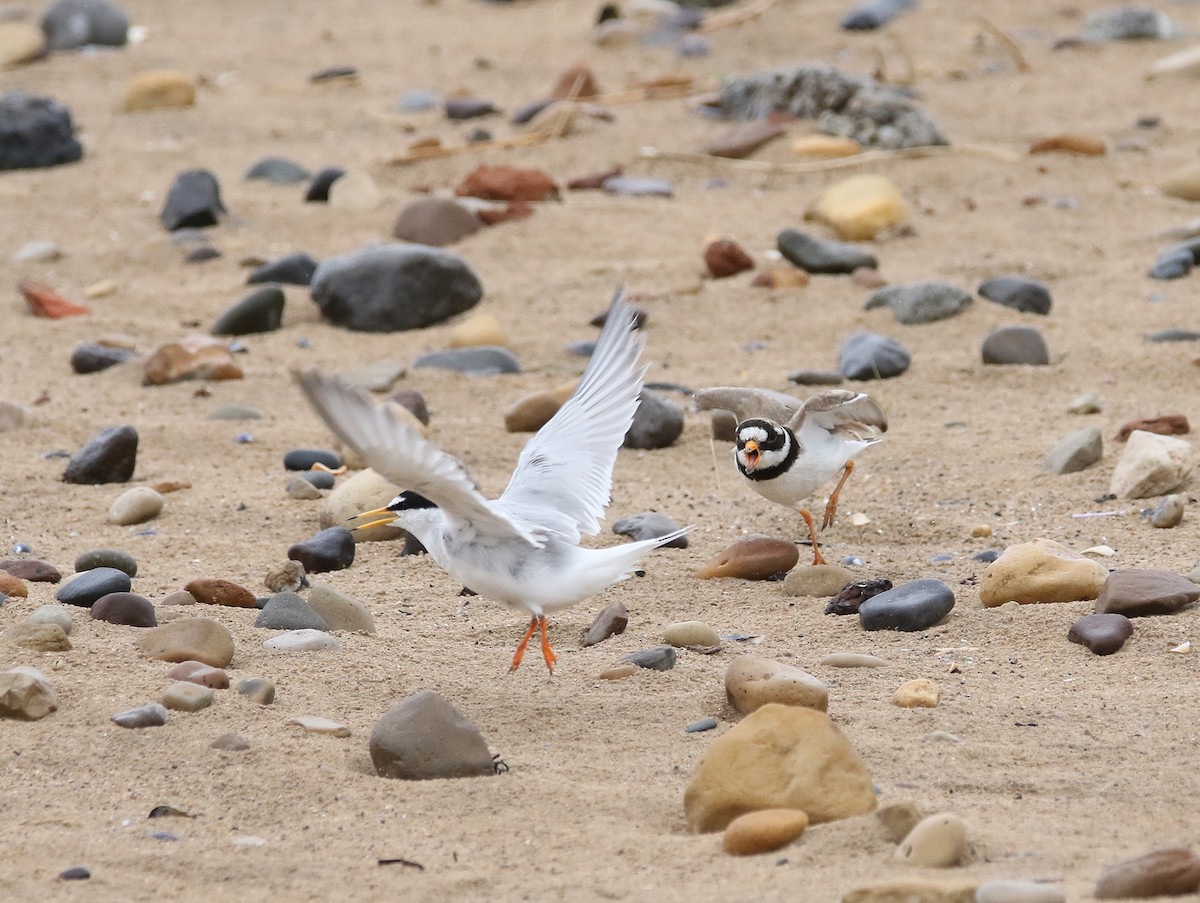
305, 640
135, 506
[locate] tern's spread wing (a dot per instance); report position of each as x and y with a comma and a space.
564, 476
841, 410
748, 403
398, 452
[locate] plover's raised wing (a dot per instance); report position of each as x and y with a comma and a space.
563, 479
748, 403
401, 454
841, 410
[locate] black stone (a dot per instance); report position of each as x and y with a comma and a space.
279, 170
1104, 634
479, 360
656, 658
125, 608
468, 108
868, 355
1018, 292
260, 311
91, 585
294, 269
657, 423
329, 73
910, 607
318, 188
193, 201
68, 24
305, 458
329, 550
321, 479
650, 525
35, 132
74, 873
821, 255
288, 611
874, 14
89, 358
987, 556
109, 457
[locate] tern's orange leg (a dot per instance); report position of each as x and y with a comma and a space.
547, 653
818, 558
831, 506
520, 653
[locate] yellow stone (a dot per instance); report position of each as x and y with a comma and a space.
1182, 183
531, 412
920, 693
763, 831
1041, 570
160, 89
826, 147
859, 208
20, 43
481, 329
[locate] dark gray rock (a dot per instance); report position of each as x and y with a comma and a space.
91, 585
394, 287
151, 715
435, 222
1104, 634
1128, 22
35, 132
129, 609
650, 525
193, 201
260, 311
90, 358
330, 550
632, 186
874, 14
424, 737
319, 478
294, 269
612, 620
74, 873
525, 113
868, 355
478, 360
656, 658
921, 302
413, 401
279, 170
68, 24
318, 188
305, 458
288, 611
816, 378
106, 558
1015, 345
1173, 264
910, 607
1143, 591
109, 457
1076, 452
822, 255
1018, 292
657, 423
1173, 335
469, 108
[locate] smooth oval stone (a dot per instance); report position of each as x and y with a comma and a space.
293, 269
216, 591
1018, 892
318, 188
898, 818
632, 186
657, 423
1160, 873
1144, 591
1104, 634
822, 255
699, 727
135, 506
817, 580
690, 633
1169, 512
656, 658
724, 257
89, 586
744, 138
129, 609
109, 457
1173, 264
910, 607
481, 360
288, 611
305, 458
424, 736
279, 170
13, 586
1018, 292
74, 873
852, 660
340, 611
186, 696
303, 640
753, 558
260, 311
200, 673
436, 222
37, 636
151, 715
259, 689
230, 743
921, 302
59, 615
92, 358
1015, 345
612, 620
179, 597
68, 24
650, 525
872, 14
193, 201
330, 550
31, 569
938, 841
189, 639
763, 831
531, 412
850, 598
868, 355
920, 693
752, 681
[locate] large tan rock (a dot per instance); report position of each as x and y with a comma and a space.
1041, 570
780, 757
27, 694
752, 681
190, 639
365, 491
1152, 464
860, 207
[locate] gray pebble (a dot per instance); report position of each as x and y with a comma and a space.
1018, 292
868, 355
151, 715
279, 170
480, 360
909, 607
921, 302
822, 255
1015, 345
1075, 452
657, 423
1169, 512
704, 724
259, 689
89, 586
109, 457
288, 611
656, 658
650, 525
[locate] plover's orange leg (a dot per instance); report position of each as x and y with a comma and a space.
831, 506
520, 653
818, 558
547, 653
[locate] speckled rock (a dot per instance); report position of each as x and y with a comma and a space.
752, 681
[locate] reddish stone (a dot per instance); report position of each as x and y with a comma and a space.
511, 211
507, 183
576, 82
43, 301
725, 257
31, 569
214, 591
595, 181
1164, 424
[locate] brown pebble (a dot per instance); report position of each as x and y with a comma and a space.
507, 183
179, 597
577, 82
781, 277
725, 257
867, 277
612, 620
1071, 144
594, 181
31, 569
1103, 634
745, 138
13, 586
1161, 873
1164, 425
763, 831
754, 558
215, 591
200, 673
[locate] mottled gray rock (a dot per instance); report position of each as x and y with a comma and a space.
109, 457
921, 302
650, 525
68, 24
152, 715
1128, 22
1015, 345
869, 355
1076, 452
288, 611
477, 360
823, 255
35, 132
294, 269
193, 201
657, 423
1018, 292
424, 737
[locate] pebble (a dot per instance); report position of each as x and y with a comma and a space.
1088, 403
820, 255
508, 183
38, 132
217, 591
872, 14
611, 621
257, 689
235, 412
468, 108
288, 611
159, 89
436, 222
20, 42
191, 357
151, 715
869, 355
69, 24
912, 889
860, 207
486, 360
1002, 891
106, 558
650, 525
913, 606
318, 479
189, 639
26, 694
365, 491
1127, 22
186, 696
619, 672
656, 658
683, 634
318, 188
260, 311
851, 597
1015, 345
1103, 634
109, 457
744, 138
230, 743
817, 580
332, 549
423, 737
1173, 335
1169, 512
531, 412
74, 873
781, 277
919, 693
340, 611
921, 302
1141, 591
31, 569
699, 727
37, 636
129, 609
13, 586
779, 757
305, 640
825, 147
200, 673
752, 681
478, 330
898, 818
937, 841
302, 489
315, 724
1018, 292
1075, 452
305, 458
631, 186
392, 287
90, 585
1174, 263
179, 597
193, 201
724, 257
93, 358
763, 831
135, 506
1172, 871
657, 423
59, 615
1041, 570
852, 660
1151, 465
355, 191
279, 170
753, 558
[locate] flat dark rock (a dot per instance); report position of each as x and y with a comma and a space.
279, 170
318, 188
260, 311
106, 558
1018, 292
656, 658
1103, 634
91, 358
868, 355
1143, 591
193, 201
294, 269
480, 360
330, 550
91, 585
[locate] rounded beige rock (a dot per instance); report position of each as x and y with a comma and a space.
938, 841
135, 506
919, 693
752, 681
690, 633
480, 329
1041, 570
763, 831
365, 491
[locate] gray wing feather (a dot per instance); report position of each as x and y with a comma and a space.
841, 409
747, 403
